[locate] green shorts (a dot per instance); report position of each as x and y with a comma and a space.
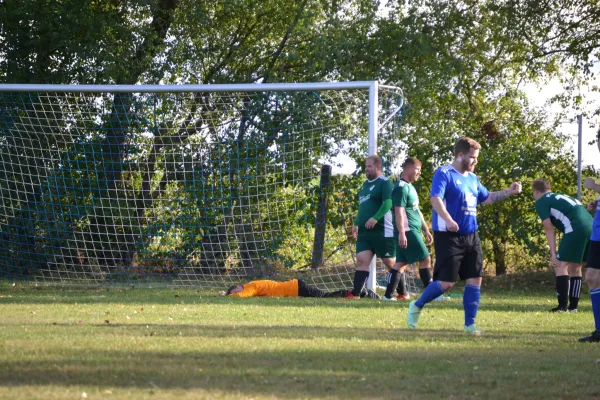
382, 247
415, 249
573, 247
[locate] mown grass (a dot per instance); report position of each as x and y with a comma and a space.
180, 344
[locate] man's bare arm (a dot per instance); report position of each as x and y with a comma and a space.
590, 183
496, 197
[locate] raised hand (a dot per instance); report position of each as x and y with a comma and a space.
515, 188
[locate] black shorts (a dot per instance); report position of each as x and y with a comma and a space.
457, 256
593, 255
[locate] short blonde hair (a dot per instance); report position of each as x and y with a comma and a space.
464, 144
412, 161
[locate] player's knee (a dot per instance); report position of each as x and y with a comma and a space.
593, 283
446, 285
561, 270
574, 269
592, 277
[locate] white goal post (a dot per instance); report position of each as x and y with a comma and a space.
184, 185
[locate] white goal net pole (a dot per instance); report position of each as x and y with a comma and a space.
372, 150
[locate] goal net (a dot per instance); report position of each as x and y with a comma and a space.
189, 185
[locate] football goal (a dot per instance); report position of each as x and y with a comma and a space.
187, 185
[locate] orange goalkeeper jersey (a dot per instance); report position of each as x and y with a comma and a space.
269, 288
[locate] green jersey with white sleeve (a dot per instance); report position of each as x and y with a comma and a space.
566, 213
370, 198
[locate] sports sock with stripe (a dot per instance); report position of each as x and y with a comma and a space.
574, 292
393, 280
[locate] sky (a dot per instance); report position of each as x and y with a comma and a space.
539, 96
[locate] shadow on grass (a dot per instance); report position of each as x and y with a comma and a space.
312, 373
174, 296
393, 334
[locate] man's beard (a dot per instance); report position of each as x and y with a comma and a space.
371, 176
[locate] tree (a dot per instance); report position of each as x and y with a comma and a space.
461, 64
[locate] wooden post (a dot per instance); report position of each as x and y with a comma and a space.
321, 218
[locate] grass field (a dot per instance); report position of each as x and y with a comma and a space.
185, 344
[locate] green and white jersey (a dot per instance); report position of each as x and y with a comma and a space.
370, 198
405, 195
566, 213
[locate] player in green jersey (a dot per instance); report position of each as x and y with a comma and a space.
571, 218
373, 227
408, 225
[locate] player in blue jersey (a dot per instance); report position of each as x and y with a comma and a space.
455, 194
592, 273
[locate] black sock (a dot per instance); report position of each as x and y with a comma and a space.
425, 275
574, 292
401, 289
360, 277
393, 280
562, 291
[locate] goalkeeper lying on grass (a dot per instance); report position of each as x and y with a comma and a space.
292, 288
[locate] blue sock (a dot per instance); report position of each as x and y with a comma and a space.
595, 296
432, 291
471, 298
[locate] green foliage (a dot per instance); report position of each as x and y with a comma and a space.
461, 65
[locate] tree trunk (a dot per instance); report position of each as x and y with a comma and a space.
499, 257
121, 117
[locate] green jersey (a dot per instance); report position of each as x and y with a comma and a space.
405, 195
370, 198
566, 213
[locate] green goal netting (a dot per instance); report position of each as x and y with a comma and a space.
189, 185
